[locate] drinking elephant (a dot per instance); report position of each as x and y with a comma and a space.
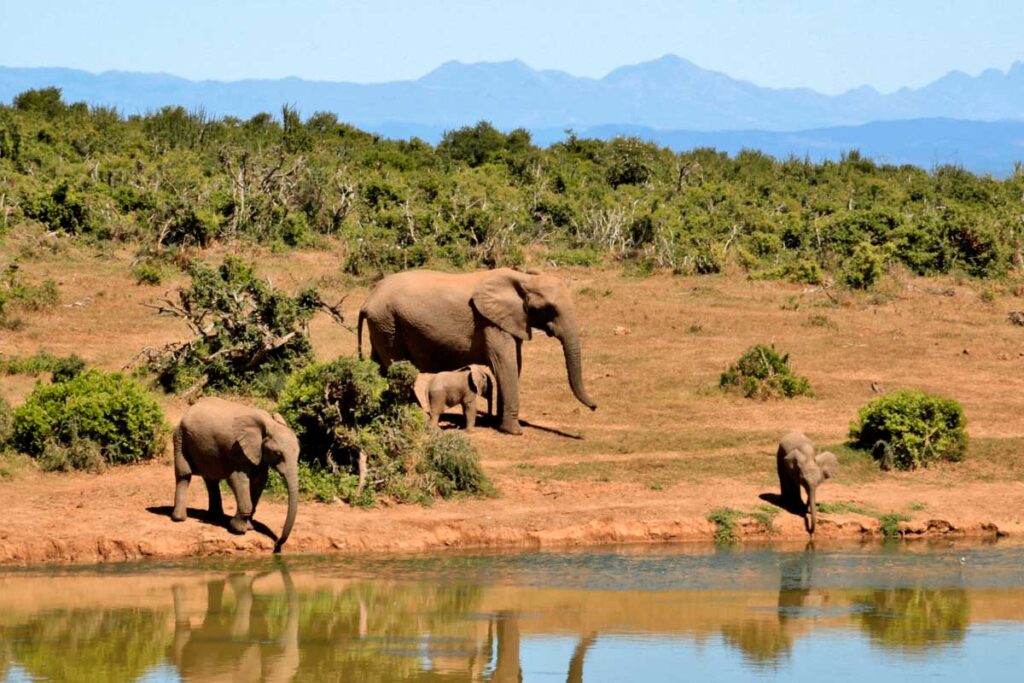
444, 321
217, 440
799, 466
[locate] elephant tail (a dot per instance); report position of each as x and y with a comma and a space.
359, 333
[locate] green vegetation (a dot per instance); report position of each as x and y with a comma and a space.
172, 180
62, 368
6, 422
726, 525
90, 419
889, 523
908, 429
345, 412
765, 516
761, 372
843, 507
248, 335
18, 295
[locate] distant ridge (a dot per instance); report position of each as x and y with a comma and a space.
668, 100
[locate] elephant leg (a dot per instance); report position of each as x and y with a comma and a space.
257, 483
436, 408
241, 522
182, 477
469, 410
503, 354
213, 493
789, 487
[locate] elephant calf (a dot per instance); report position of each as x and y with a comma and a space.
217, 440
799, 466
459, 387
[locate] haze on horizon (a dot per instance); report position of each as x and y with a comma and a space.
785, 43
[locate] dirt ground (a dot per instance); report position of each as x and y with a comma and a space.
663, 450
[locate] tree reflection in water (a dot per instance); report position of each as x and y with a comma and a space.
914, 620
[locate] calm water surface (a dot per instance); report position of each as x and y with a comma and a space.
947, 611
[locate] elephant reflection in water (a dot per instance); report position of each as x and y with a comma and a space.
499, 652
235, 644
768, 641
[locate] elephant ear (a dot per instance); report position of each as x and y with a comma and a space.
828, 463
477, 379
500, 299
249, 433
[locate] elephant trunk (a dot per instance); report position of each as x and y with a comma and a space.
570, 338
291, 477
812, 507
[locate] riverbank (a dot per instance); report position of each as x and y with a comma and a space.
124, 515
664, 450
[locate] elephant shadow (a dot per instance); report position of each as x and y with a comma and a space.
800, 510
205, 517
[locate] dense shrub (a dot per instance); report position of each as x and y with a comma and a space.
346, 408
908, 429
484, 196
248, 334
108, 409
762, 372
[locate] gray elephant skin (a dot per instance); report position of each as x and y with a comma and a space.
459, 387
444, 321
800, 467
218, 440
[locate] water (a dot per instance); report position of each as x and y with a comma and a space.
869, 613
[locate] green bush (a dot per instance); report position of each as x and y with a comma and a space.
762, 372
346, 408
908, 429
248, 334
451, 465
147, 274
6, 422
109, 409
865, 266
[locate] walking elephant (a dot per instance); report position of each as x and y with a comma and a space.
799, 466
217, 440
445, 321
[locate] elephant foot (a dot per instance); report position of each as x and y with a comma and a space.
178, 516
510, 427
239, 525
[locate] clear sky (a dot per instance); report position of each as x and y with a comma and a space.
827, 45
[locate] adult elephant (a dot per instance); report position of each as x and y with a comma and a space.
445, 321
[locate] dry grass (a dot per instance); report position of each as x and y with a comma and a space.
653, 350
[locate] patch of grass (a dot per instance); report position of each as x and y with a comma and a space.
844, 507
726, 527
820, 320
695, 328
595, 293
917, 507
765, 516
890, 523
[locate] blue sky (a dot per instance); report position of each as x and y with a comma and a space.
828, 46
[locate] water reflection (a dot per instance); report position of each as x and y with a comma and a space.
323, 621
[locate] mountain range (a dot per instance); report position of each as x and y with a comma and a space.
669, 100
